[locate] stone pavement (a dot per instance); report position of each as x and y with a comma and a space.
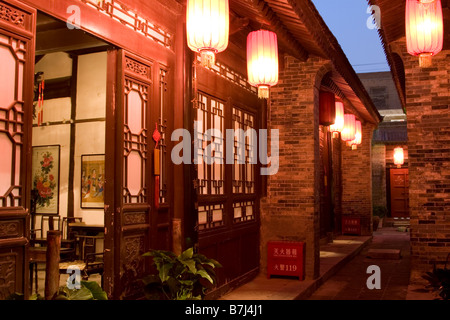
350, 283
343, 274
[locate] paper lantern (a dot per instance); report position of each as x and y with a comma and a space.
327, 108
399, 157
424, 29
358, 136
349, 131
208, 27
338, 125
262, 61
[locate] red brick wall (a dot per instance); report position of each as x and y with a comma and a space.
357, 180
428, 116
291, 209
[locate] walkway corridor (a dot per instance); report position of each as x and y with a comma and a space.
349, 283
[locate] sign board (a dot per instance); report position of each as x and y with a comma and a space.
351, 225
286, 258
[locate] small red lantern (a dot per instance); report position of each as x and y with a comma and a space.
349, 131
424, 29
399, 157
358, 136
208, 27
338, 125
262, 61
327, 108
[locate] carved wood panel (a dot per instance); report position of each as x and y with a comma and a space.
17, 24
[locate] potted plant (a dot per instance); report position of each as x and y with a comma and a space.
439, 280
184, 277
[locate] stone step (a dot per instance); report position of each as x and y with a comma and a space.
388, 254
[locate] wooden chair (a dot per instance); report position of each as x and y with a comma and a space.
90, 262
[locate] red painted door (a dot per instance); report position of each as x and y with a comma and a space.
17, 34
399, 193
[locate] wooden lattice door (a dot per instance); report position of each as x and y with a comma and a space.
17, 33
399, 183
137, 215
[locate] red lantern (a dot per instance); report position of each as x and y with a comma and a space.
424, 29
358, 135
399, 157
207, 26
349, 131
327, 108
262, 61
338, 125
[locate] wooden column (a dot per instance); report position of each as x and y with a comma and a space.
52, 265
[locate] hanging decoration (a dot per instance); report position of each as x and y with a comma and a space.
424, 29
327, 108
38, 107
349, 131
399, 157
156, 164
208, 28
358, 136
338, 125
262, 61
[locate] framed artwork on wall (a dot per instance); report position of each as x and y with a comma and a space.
45, 178
92, 181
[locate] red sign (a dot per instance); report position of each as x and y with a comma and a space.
285, 258
351, 225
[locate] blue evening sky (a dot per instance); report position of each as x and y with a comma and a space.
347, 20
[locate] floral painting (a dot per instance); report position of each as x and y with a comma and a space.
92, 181
45, 176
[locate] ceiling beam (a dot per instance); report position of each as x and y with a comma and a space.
293, 47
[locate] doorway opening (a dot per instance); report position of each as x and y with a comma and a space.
68, 145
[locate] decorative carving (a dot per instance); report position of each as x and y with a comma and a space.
11, 15
9, 229
135, 218
7, 275
137, 67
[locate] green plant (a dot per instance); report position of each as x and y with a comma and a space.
184, 277
439, 281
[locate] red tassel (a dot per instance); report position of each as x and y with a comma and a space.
157, 192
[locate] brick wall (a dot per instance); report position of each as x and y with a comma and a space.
291, 209
428, 116
357, 180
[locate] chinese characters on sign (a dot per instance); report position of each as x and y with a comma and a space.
285, 259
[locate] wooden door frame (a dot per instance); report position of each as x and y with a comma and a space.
19, 217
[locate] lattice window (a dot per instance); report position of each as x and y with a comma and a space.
13, 58
244, 211
120, 12
232, 76
244, 162
135, 140
210, 216
210, 145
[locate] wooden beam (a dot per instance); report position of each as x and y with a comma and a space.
64, 40
293, 47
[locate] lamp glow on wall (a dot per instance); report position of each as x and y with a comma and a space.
424, 29
399, 157
338, 125
349, 131
358, 136
262, 61
208, 28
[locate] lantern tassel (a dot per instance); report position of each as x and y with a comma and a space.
263, 92
425, 60
207, 58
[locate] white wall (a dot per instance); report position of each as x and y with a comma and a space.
90, 136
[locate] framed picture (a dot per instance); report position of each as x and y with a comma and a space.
45, 178
92, 181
